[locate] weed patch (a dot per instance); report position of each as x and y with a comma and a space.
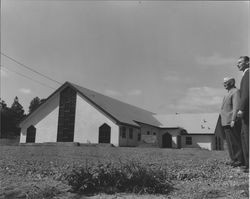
131, 177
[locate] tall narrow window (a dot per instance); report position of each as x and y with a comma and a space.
66, 117
123, 132
130, 133
139, 137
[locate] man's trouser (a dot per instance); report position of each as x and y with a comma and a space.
233, 139
245, 141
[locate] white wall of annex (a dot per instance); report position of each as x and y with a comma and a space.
199, 141
87, 122
45, 120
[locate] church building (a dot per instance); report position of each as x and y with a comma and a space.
76, 114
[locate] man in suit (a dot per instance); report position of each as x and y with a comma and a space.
243, 113
230, 124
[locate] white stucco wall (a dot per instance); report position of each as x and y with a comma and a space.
87, 122
45, 120
199, 141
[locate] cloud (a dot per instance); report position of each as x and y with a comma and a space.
25, 90
201, 99
135, 92
171, 78
112, 93
215, 60
176, 78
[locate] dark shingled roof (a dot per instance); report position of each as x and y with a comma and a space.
122, 112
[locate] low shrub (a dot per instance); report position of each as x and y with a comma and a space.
109, 178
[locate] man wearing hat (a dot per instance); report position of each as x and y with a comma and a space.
229, 122
243, 113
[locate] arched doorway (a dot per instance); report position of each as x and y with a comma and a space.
31, 134
167, 140
104, 133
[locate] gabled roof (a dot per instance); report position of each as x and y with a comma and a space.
123, 113
197, 123
119, 111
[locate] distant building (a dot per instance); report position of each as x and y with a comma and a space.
76, 114
201, 130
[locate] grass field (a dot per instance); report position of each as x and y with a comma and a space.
39, 171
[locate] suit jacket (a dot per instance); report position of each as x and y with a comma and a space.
230, 107
244, 96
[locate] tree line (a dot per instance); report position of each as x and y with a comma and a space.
11, 116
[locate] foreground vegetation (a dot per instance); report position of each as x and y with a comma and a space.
59, 172
124, 177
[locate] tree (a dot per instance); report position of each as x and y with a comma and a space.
17, 108
8, 123
3, 105
10, 118
34, 104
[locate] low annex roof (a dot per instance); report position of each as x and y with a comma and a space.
196, 123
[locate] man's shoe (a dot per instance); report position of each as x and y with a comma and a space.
236, 164
229, 163
246, 170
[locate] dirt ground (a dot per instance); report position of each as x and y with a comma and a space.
38, 172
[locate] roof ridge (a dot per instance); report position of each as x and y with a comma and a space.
76, 85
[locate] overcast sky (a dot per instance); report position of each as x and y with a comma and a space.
163, 56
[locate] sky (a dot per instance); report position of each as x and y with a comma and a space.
164, 56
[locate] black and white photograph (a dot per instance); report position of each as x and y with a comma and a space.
124, 99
